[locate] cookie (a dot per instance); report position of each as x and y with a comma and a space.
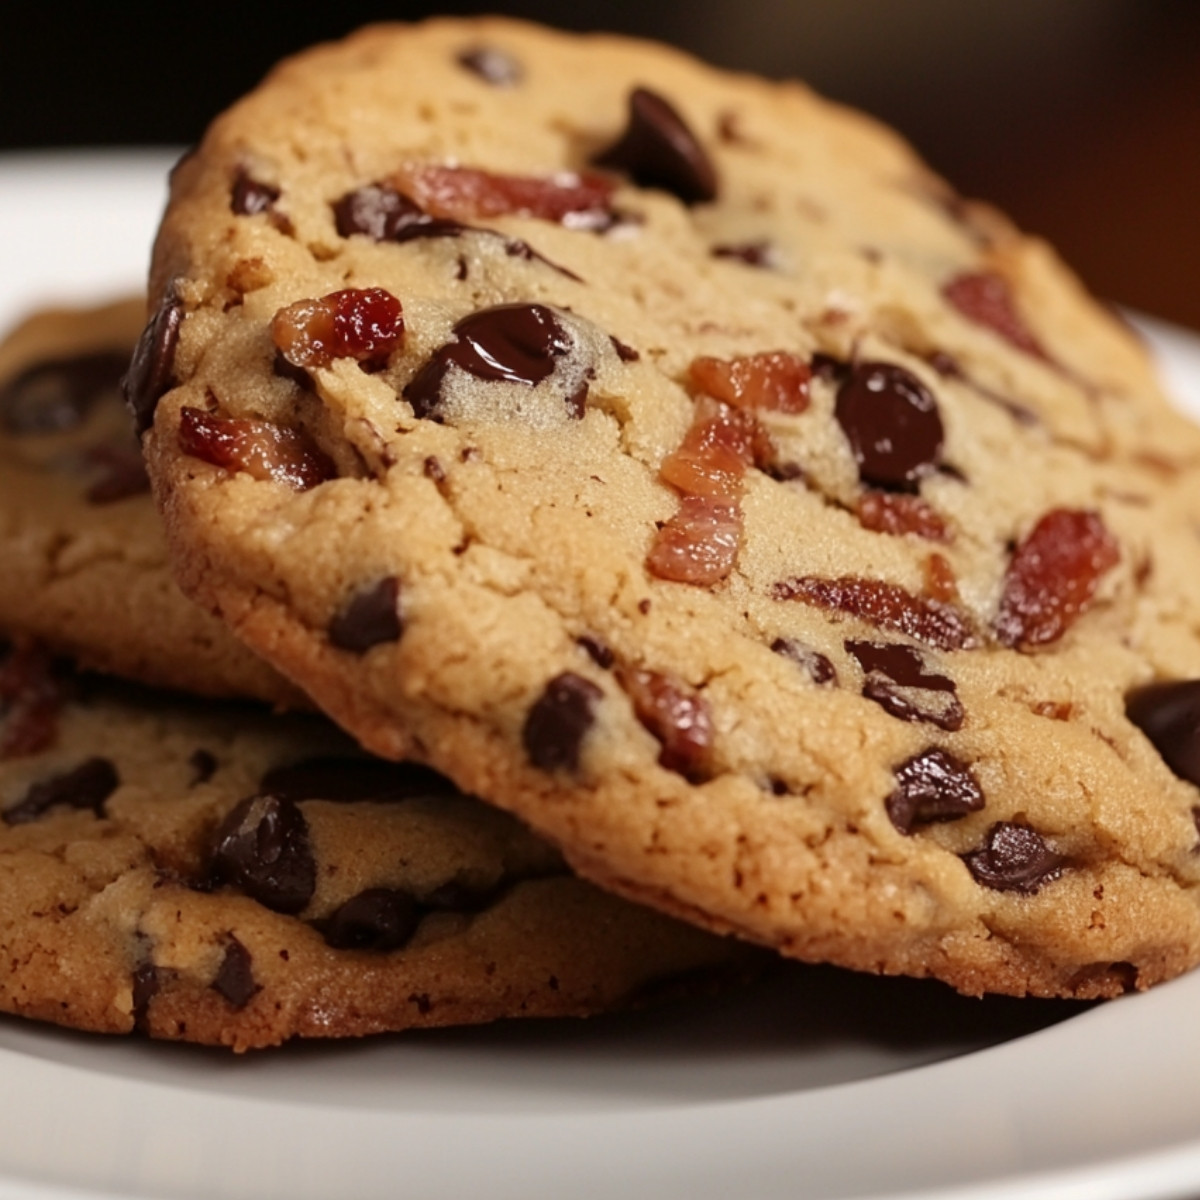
85, 563
675, 461
213, 873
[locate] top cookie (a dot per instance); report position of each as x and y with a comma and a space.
673, 460
85, 563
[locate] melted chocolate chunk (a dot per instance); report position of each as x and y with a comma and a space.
145, 988
152, 369
235, 978
58, 394
892, 423
658, 150
349, 780
813, 661
893, 672
376, 919
250, 197
262, 847
559, 720
1014, 858
932, 786
370, 618
88, 785
386, 215
512, 343
492, 65
1169, 715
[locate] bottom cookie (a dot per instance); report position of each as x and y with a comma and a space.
216, 874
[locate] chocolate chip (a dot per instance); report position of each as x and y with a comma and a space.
932, 786
145, 988
1169, 715
204, 766
57, 394
1014, 858
250, 196
894, 672
376, 919
813, 661
559, 720
88, 785
624, 353
657, 149
235, 979
370, 618
753, 254
597, 651
512, 343
387, 215
350, 780
32, 692
892, 423
262, 847
151, 370
492, 65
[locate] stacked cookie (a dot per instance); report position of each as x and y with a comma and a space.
212, 871
675, 463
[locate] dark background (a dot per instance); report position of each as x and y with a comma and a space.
1080, 117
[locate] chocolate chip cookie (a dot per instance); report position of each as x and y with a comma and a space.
674, 460
213, 873
85, 563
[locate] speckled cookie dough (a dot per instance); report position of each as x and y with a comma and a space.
673, 460
211, 873
84, 559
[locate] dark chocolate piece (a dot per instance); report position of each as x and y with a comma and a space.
512, 343
492, 65
657, 149
1014, 858
58, 394
235, 978
559, 720
88, 785
370, 618
145, 988
892, 423
932, 786
1169, 715
813, 661
250, 196
262, 847
376, 919
151, 371
893, 672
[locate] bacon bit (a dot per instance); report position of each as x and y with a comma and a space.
677, 716
776, 381
986, 298
898, 513
260, 448
32, 697
885, 605
940, 582
365, 324
700, 542
1053, 577
581, 201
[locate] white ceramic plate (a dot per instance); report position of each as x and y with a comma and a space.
814, 1084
